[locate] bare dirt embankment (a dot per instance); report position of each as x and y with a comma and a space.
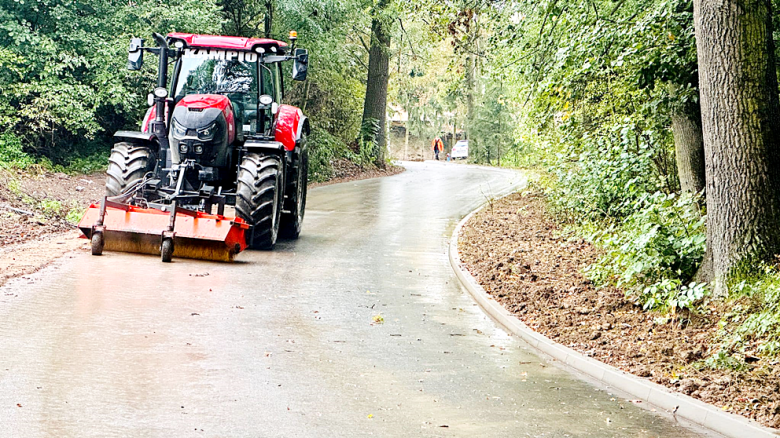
34, 207
346, 171
519, 256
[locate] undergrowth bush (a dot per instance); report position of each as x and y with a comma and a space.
11, 153
752, 325
655, 252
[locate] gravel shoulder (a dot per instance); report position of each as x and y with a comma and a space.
520, 256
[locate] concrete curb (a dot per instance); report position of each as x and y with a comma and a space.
698, 412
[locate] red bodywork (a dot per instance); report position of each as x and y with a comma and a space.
225, 42
203, 101
289, 123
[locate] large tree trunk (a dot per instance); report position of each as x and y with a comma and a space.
375, 105
738, 87
689, 151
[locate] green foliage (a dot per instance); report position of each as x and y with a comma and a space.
11, 153
74, 215
323, 149
654, 252
663, 238
62, 68
752, 324
670, 295
97, 162
723, 360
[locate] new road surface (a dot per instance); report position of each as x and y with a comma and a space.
359, 328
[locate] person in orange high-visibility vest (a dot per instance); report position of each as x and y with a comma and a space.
437, 146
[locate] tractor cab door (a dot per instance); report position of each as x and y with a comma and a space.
270, 85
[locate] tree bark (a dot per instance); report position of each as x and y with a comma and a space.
689, 151
469, 94
375, 104
269, 18
739, 105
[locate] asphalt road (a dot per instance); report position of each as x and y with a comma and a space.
359, 328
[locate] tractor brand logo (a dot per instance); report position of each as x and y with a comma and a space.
221, 54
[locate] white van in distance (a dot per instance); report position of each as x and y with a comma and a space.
460, 150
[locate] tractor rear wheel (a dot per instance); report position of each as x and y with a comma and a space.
296, 202
259, 197
127, 164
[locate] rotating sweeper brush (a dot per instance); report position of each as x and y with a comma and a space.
220, 137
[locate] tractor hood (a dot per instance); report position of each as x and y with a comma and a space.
198, 111
203, 127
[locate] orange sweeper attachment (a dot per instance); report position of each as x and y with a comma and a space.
117, 226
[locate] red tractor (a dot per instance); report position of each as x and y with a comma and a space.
216, 134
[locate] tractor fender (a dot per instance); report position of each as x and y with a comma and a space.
290, 123
135, 136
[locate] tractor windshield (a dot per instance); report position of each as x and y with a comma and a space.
235, 79
200, 75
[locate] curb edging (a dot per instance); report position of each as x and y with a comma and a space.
687, 407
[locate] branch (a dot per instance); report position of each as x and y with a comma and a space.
407, 37
617, 6
357, 58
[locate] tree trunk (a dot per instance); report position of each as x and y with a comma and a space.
689, 150
739, 105
269, 18
469, 94
375, 104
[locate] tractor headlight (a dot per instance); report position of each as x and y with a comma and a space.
160, 92
198, 148
183, 148
179, 131
208, 132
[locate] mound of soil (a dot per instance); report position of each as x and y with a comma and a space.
517, 253
345, 171
33, 205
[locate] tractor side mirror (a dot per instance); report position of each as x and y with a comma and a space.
135, 56
300, 65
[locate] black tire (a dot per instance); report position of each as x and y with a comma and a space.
166, 250
296, 202
127, 164
259, 197
97, 243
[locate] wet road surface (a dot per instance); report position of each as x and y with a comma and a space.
291, 343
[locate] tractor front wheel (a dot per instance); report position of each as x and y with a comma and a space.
127, 164
259, 197
296, 203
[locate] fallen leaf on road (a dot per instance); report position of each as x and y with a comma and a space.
378, 319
